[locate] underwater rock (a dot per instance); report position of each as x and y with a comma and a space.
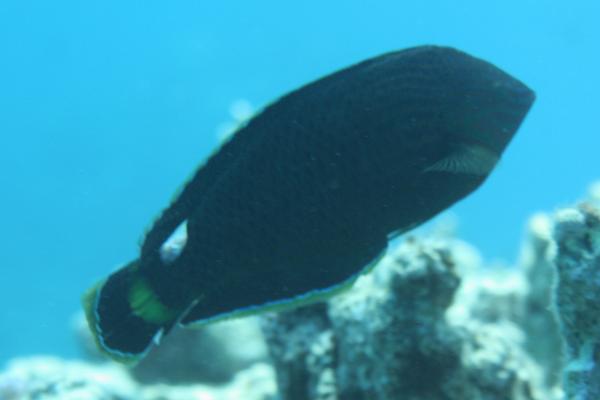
208, 354
539, 319
577, 235
379, 331
302, 349
392, 337
520, 295
50, 378
493, 294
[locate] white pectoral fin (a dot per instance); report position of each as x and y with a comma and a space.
174, 245
466, 159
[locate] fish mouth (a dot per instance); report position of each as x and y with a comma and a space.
520, 95
520, 99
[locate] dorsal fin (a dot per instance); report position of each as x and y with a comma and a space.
466, 159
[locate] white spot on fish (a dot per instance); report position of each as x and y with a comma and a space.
174, 245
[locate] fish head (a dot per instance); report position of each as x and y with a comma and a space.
460, 112
483, 105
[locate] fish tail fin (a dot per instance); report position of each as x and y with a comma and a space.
125, 316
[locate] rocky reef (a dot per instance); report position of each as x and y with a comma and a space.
50, 378
430, 322
577, 234
412, 329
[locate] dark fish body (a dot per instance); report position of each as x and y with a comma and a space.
308, 192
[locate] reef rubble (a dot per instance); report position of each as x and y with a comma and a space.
431, 321
51, 378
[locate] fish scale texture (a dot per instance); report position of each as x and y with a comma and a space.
318, 167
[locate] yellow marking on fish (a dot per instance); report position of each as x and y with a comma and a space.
145, 304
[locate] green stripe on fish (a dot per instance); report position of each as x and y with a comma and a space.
306, 195
146, 305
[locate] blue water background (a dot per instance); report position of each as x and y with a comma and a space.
106, 107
